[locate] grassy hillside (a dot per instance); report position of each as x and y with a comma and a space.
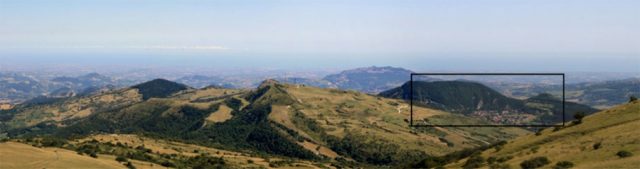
477, 100
20, 155
358, 125
28, 115
292, 122
594, 143
142, 152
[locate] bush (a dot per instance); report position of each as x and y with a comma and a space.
597, 145
500, 166
578, 116
53, 142
504, 159
557, 128
474, 161
129, 165
121, 159
94, 155
624, 154
563, 165
491, 160
167, 164
539, 132
632, 99
535, 162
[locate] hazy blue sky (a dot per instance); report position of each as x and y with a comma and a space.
517, 35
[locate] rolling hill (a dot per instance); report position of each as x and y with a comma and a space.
594, 143
295, 122
477, 100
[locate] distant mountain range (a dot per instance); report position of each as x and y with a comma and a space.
19, 87
369, 79
477, 100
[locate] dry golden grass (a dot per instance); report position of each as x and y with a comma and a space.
615, 129
381, 118
223, 114
74, 108
5, 106
171, 147
24, 156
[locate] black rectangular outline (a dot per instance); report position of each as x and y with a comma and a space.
484, 74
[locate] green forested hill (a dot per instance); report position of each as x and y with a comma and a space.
159, 88
478, 100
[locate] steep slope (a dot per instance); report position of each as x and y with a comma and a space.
477, 100
592, 144
372, 129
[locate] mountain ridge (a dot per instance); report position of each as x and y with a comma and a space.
477, 100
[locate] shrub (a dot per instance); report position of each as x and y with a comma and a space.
557, 128
167, 164
535, 162
53, 142
129, 165
504, 159
491, 160
121, 159
500, 166
624, 154
578, 116
93, 154
474, 161
632, 99
597, 145
539, 132
563, 165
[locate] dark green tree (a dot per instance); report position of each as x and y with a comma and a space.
535, 162
578, 117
